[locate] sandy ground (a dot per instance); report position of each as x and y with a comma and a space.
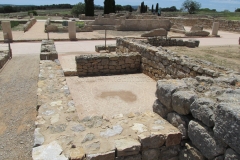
224, 55
112, 95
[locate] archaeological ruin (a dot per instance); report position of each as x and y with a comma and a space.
135, 99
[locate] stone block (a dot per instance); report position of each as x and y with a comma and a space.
160, 109
134, 157
72, 30
203, 110
182, 100
127, 147
151, 140
50, 151
180, 122
178, 28
227, 124
197, 33
173, 139
189, 152
196, 28
155, 33
150, 154
169, 153
204, 139
7, 31
215, 28
165, 89
231, 155
230, 96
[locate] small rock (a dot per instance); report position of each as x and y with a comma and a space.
52, 151
38, 137
78, 128
88, 137
56, 103
139, 127
116, 130
54, 119
77, 154
126, 147
58, 128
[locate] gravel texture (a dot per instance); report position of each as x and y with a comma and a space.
18, 101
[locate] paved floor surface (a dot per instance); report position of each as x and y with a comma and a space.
18, 99
112, 95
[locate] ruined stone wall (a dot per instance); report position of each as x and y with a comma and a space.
4, 57
202, 101
104, 64
48, 50
159, 63
160, 41
29, 24
143, 24
225, 25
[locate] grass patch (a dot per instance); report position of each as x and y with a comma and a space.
80, 24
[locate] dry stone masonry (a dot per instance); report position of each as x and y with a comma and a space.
4, 57
109, 48
29, 24
197, 110
134, 136
48, 50
105, 64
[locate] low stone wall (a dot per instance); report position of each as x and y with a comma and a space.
135, 136
4, 57
83, 17
202, 101
64, 29
225, 25
105, 64
143, 24
160, 41
29, 24
206, 111
48, 50
109, 48
159, 63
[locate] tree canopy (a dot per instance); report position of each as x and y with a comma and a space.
78, 9
89, 7
191, 6
109, 6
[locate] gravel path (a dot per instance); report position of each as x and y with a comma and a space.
18, 101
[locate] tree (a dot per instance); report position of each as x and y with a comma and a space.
89, 7
156, 10
145, 9
119, 8
152, 8
191, 6
109, 6
142, 7
78, 9
237, 10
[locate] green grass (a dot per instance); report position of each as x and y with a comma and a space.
80, 24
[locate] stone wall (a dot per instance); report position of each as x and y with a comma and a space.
123, 24
160, 41
109, 48
4, 57
105, 64
54, 28
48, 50
29, 24
225, 25
199, 98
159, 63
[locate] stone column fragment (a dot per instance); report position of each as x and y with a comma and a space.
7, 31
72, 30
215, 28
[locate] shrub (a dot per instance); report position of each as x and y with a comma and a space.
32, 11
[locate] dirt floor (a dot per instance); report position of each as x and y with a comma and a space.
18, 99
227, 56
